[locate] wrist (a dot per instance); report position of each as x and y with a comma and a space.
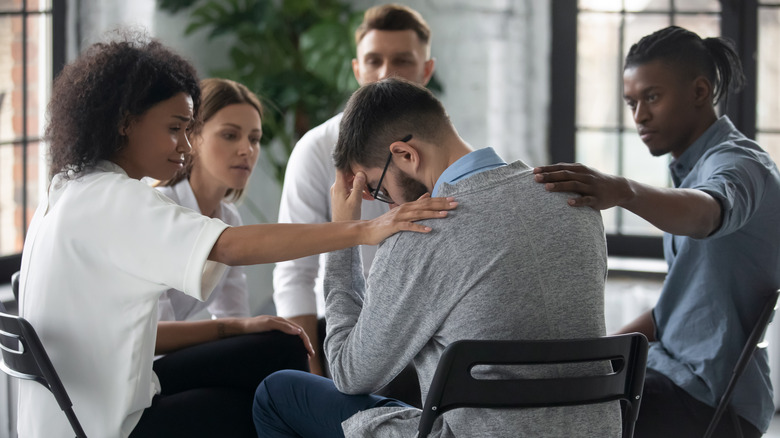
228, 327
627, 193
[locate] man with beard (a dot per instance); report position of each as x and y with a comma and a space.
513, 262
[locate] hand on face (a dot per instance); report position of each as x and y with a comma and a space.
346, 195
595, 189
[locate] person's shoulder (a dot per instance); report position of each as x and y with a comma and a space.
167, 191
230, 214
323, 136
312, 155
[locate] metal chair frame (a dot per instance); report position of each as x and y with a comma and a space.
24, 357
754, 342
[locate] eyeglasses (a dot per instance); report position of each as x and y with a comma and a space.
377, 193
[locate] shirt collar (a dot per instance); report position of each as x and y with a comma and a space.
468, 165
682, 166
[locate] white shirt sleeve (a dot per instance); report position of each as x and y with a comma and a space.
305, 199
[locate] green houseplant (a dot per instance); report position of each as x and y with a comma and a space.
294, 53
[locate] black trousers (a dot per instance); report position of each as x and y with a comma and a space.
208, 389
667, 411
405, 387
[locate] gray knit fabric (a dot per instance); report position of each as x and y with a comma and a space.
513, 261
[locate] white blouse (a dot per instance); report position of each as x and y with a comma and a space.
100, 250
230, 296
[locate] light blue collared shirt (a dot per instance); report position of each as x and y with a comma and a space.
468, 165
716, 286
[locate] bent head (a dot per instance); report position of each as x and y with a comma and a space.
671, 81
102, 103
226, 142
389, 131
393, 40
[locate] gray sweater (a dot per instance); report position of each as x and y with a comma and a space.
513, 261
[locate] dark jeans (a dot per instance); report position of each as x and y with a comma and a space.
208, 389
669, 412
297, 404
404, 387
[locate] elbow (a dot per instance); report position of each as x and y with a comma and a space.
350, 388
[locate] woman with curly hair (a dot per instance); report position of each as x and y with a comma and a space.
103, 246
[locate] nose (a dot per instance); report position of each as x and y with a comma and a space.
641, 114
183, 146
385, 71
245, 147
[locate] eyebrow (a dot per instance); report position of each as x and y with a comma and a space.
643, 91
392, 55
182, 118
233, 125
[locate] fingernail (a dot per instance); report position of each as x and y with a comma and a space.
453, 204
442, 213
428, 228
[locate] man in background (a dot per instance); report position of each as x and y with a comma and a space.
392, 40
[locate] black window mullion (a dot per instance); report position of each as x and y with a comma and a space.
563, 81
739, 22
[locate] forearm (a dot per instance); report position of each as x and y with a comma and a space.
643, 324
175, 335
269, 243
683, 212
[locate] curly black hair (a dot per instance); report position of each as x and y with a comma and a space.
99, 93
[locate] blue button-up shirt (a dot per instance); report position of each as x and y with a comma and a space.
468, 165
716, 286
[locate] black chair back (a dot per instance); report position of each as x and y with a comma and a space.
15, 285
454, 386
754, 342
24, 357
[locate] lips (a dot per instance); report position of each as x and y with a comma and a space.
646, 134
244, 167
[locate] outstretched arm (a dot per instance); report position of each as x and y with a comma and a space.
683, 212
268, 243
175, 335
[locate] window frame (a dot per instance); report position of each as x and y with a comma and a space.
12, 263
739, 22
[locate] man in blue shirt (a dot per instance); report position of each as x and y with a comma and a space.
722, 233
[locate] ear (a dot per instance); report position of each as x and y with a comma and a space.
429, 67
125, 126
406, 157
356, 69
702, 91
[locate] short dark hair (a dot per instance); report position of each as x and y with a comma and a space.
103, 89
383, 112
714, 58
217, 94
393, 17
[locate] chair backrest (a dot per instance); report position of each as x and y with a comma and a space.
454, 386
24, 357
15, 285
753, 342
